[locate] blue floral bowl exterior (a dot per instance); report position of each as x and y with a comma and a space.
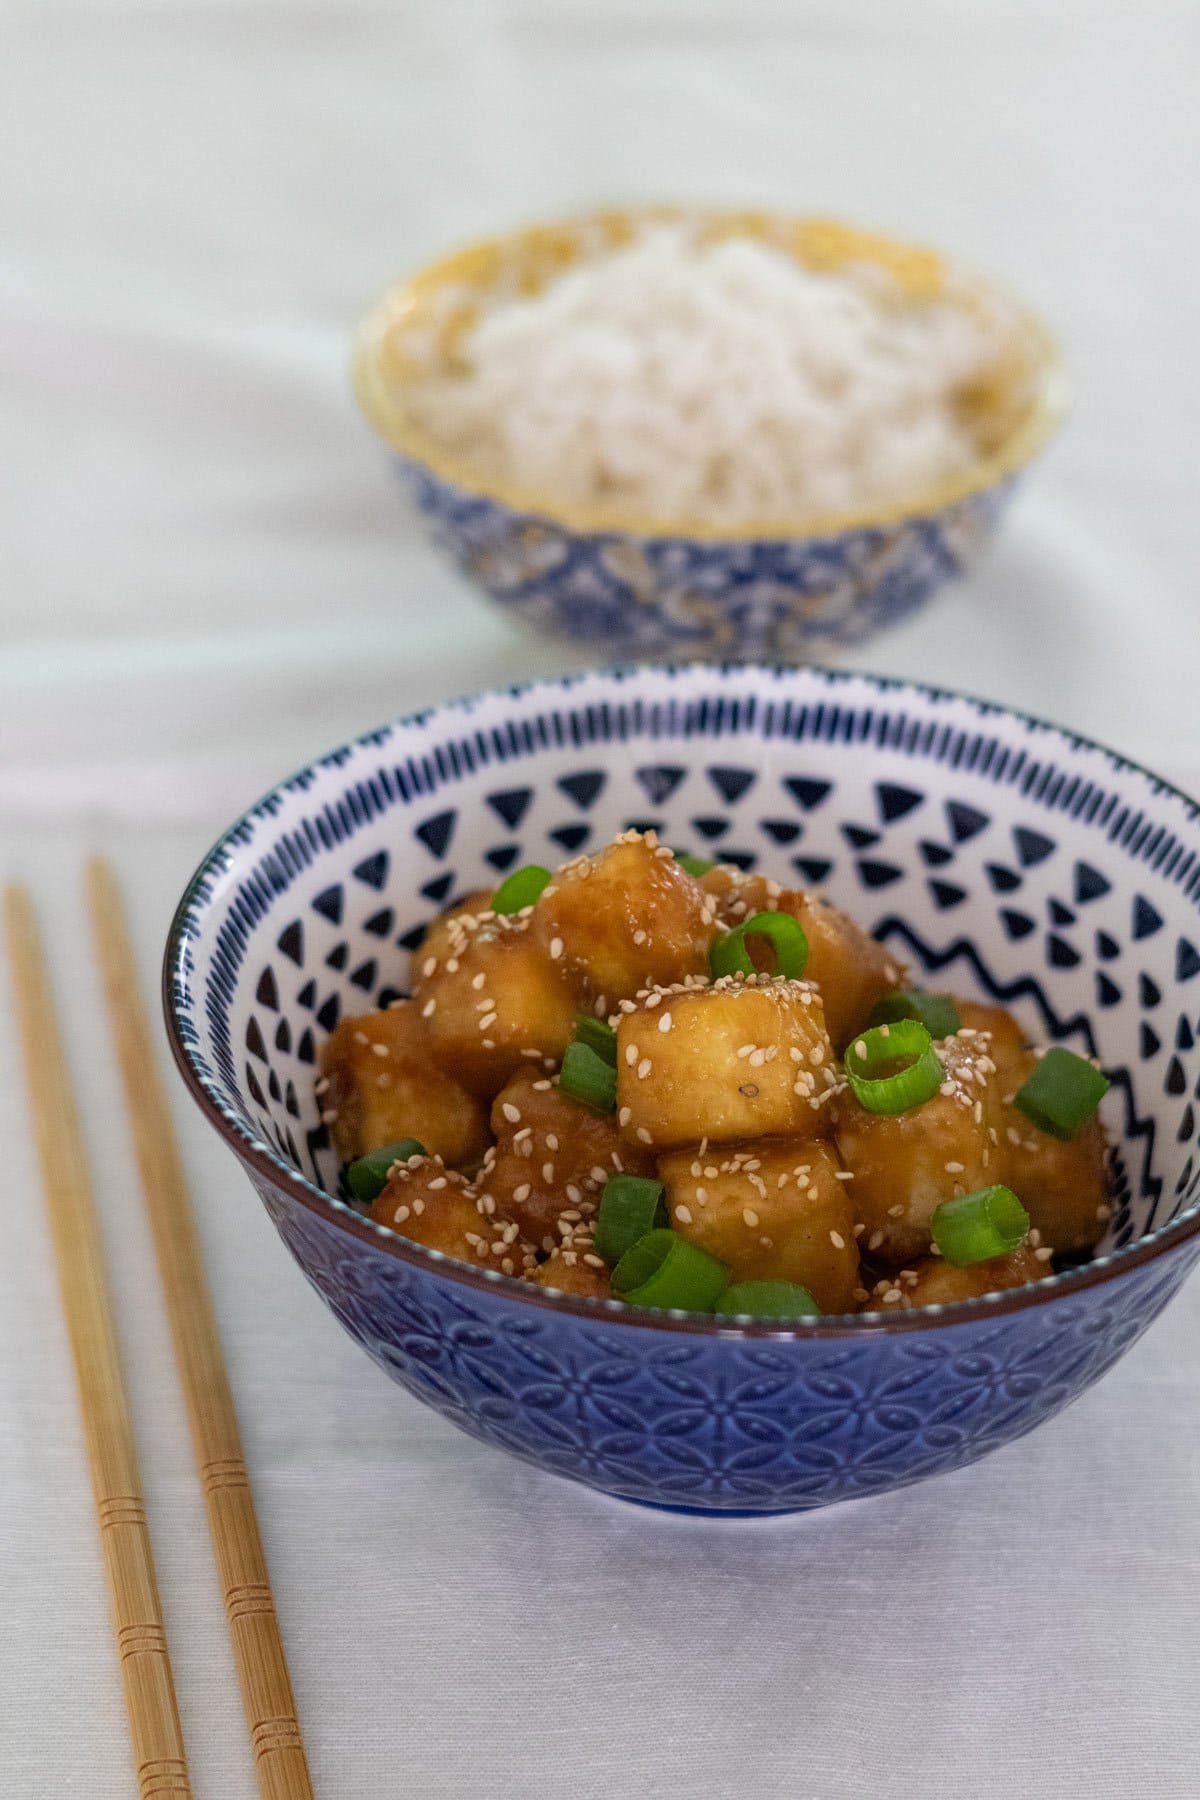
995, 853
786, 597
783, 589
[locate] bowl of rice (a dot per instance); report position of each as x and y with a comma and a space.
681, 431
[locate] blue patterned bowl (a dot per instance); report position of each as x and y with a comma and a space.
780, 588
997, 854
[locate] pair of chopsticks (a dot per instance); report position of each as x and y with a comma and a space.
141, 1640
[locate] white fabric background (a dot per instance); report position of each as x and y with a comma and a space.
205, 575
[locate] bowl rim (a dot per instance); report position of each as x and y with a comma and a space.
1045, 413
258, 1156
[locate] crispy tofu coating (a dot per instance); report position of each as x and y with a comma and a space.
435, 1206
772, 1209
932, 1281
729, 1091
552, 1157
492, 998
383, 1084
738, 1059
906, 1164
627, 919
1007, 1041
1061, 1184
575, 1272
850, 968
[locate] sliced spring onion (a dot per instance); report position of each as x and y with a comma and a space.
1062, 1093
598, 1036
588, 1077
729, 955
936, 1012
520, 889
976, 1227
663, 1269
768, 1300
630, 1206
871, 1059
693, 865
367, 1175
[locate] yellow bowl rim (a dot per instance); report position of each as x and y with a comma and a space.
1044, 415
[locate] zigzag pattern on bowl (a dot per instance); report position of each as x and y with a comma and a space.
998, 855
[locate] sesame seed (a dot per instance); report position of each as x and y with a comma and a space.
574, 1193
399, 1216
487, 1021
624, 1116
439, 1181
643, 1068
598, 1173
631, 1055
749, 1217
360, 1037
418, 1207
664, 1023
522, 1193
477, 981
428, 966
429, 1008
548, 1172
953, 1168
519, 1137
1044, 1254
874, 1241
643, 1135
683, 1214
551, 1141
329, 1116
843, 1174
895, 1212
556, 949
837, 1240
512, 1113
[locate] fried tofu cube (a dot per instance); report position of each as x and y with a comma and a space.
435, 1206
906, 1164
1007, 1048
383, 1084
552, 1156
1061, 1184
627, 919
492, 999
772, 1210
850, 968
575, 1272
932, 1281
739, 1059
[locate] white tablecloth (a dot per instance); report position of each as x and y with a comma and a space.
206, 575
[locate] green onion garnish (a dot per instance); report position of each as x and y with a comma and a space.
693, 865
768, 1300
936, 1012
587, 1077
729, 955
1062, 1093
367, 1175
520, 889
976, 1227
597, 1036
662, 1269
879, 1086
629, 1207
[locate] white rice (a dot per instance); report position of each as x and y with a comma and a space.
722, 381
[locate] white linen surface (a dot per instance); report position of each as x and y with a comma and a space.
207, 576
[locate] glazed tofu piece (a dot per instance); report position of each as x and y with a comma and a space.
1061, 1184
429, 1204
627, 919
739, 1059
552, 1157
932, 1281
905, 1165
773, 1210
381, 1084
492, 999
1007, 1047
575, 1272
850, 968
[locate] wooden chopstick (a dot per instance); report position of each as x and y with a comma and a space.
137, 1613
257, 1645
